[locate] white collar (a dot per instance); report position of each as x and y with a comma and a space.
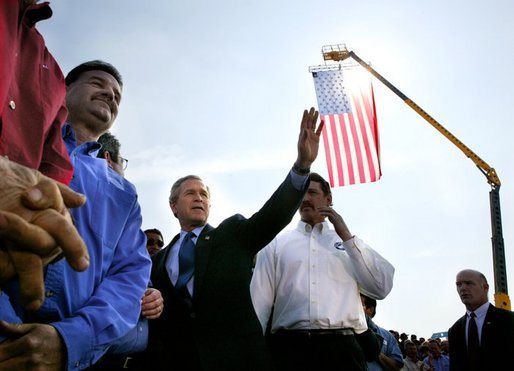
481, 311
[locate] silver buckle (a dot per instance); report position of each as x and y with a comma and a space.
127, 360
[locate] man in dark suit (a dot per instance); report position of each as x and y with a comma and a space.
208, 322
494, 340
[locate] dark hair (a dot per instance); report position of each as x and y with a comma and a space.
109, 144
325, 187
96, 65
370, 303
156, 231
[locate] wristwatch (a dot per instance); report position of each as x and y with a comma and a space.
301, 171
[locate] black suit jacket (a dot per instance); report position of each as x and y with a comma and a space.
496, 342
219, 330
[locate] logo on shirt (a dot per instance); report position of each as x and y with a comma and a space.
339, 246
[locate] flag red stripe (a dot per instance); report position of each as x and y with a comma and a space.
346, 128
337, 149
369, 103
328, 155
362, 123
344, 149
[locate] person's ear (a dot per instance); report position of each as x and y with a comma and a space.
329, 198
173, 207
108, 158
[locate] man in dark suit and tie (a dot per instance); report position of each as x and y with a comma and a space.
483, 339
208, 322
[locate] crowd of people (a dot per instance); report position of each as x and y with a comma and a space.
82, 286
418, 354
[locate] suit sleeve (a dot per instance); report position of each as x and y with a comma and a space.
275, 215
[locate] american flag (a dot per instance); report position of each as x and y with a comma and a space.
350, 135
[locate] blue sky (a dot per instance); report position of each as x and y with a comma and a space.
217, 88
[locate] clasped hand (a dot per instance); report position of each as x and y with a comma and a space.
35, 227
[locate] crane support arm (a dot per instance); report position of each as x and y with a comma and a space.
500, 272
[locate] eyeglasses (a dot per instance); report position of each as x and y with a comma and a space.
124, 162
152, 241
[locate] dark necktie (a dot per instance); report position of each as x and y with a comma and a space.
473, 343
186, 261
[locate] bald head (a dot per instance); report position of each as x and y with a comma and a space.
472, 288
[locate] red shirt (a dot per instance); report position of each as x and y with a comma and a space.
32, 94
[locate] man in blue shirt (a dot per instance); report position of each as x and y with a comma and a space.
125, 352
390, 357
84, 312
436, 361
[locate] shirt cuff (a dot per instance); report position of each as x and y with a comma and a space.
298, 181
77, 339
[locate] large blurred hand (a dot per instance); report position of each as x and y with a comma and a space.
35, 227
31, 347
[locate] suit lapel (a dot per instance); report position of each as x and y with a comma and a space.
461, 333
160, 262
202, 251
488, 331
204, 245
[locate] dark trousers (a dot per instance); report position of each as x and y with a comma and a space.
299, 350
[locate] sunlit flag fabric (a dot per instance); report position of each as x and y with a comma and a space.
350, 135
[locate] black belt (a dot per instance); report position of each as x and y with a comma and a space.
127, 361
112, 362
316, 332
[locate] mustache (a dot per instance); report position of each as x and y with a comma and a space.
306, 204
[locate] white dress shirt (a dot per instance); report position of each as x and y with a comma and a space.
312, 279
